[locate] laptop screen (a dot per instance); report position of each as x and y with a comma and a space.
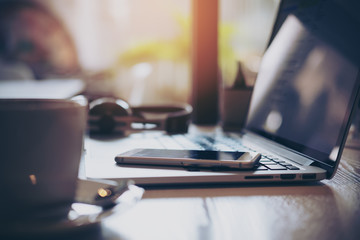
308, 82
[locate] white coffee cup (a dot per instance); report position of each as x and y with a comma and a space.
41, 144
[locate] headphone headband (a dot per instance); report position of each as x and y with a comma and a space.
115, 115
176, 117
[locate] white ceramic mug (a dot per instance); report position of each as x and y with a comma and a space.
41, 144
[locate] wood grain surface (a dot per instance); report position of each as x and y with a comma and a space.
329, 209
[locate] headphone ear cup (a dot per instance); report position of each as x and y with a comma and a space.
106, 124
177, 124
102, 114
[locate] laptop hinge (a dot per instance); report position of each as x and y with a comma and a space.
256, 141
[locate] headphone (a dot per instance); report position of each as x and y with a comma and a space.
111, 115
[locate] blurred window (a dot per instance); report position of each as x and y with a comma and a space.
244, 31
139, 50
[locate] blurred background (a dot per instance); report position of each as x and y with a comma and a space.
138, 50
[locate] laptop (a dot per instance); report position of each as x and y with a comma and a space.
304, 97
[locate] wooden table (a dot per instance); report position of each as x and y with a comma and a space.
327, 210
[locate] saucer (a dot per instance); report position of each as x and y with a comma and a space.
82, 216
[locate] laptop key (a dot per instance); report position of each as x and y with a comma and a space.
280, 161
261, 168
292, 168
276, 167
268, 163
265, 161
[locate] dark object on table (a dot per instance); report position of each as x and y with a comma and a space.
32, 35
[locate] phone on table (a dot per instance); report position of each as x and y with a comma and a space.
190, 158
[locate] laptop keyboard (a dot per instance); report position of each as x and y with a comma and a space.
222, 143
271, 163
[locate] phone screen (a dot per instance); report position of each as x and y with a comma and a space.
192, 154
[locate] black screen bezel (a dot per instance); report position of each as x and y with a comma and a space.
320, 159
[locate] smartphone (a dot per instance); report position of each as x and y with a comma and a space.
190, 158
